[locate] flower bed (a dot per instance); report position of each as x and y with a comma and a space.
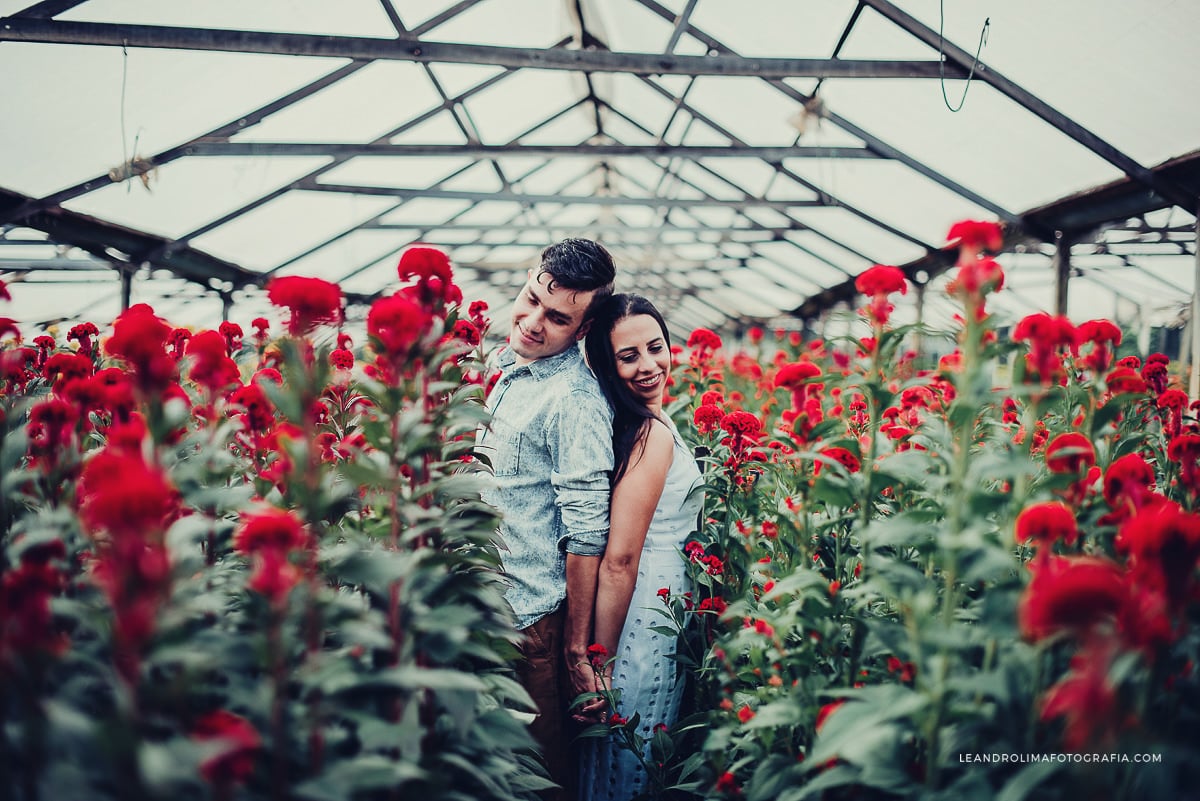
259, 567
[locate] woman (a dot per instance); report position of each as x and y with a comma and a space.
654, 510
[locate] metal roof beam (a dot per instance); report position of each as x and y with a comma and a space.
873, 142
224, 147
668, 227
368, 48
516, 197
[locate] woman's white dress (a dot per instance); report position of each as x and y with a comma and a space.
650, 683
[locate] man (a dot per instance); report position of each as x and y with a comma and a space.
550, 445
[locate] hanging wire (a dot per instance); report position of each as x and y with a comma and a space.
124, 140
983, 36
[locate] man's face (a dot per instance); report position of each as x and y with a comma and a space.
546, 321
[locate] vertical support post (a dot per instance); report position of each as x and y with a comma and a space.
1194, 379
1062, 270
126, 287
918, 340
226, 306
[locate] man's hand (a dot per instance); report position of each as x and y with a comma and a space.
585, 679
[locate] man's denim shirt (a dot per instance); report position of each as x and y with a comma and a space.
550, 445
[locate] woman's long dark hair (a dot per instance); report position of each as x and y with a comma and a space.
631, 418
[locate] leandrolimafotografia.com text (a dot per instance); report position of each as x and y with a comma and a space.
1000, 758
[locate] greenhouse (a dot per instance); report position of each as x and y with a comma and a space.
877, 477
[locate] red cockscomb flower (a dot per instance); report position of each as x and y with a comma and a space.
139, 339
1070, 594
122, 495
976, 235
842, 456
1125, 380
1104, 336
1071, 452
310, 301
1128, 484
707, 418
269, 529
211, 367
234, 762
1163, 544
1086, 699
1044, 524
704, 340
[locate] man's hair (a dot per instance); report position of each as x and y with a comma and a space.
581, 265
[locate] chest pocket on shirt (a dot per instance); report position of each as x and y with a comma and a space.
504, 449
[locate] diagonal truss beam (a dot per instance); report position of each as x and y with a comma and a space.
367, 48
873, 142
960, 58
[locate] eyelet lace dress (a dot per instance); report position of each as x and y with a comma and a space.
644, 672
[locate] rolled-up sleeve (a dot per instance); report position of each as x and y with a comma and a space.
583, 459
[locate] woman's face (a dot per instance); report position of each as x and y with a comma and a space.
643, 357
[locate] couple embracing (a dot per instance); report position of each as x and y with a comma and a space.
595, 486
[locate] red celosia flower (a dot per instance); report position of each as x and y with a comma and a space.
597, 655
745, 714
256, 410
1104, 336
26, 620
269, 529
1163, 544
1046, 336
976, 235
1125, 379
234, 763
311, 301
139, 339
1070, 594
466, 331
703, 340
1174, 401
881, 279
708, 418
1071, 452
1086, 699
796, 375
1155, 375
742, 424
1128, 483
435, 283
842, 456
122, 495
341, 359
62, 368
211, 368
1184, 449
976, 278
397, 323
83, 334
1044, 524
233, 336
273, 576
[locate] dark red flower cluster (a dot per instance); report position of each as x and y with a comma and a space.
430, 267
707, 418
309, 301
1104, 336
26, 621
234, 761
1044, 524
877, 283
1047, 336
126, 506
212, 369
396, 324
83, 333
270, 537
139, 339
840, 455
